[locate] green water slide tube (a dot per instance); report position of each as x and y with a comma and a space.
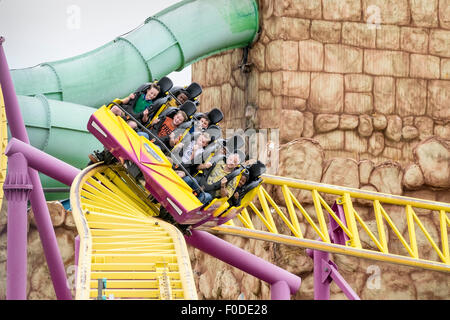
58, 128
58, 97
168, 41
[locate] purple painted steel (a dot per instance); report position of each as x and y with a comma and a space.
340, 281
77, 249
243, 260
43, 162
37, 199
13, 114
321, 276
325, 271
338, 235
17, 190
280, 291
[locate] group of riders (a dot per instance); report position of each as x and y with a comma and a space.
167, 116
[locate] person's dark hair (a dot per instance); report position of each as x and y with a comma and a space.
154, 86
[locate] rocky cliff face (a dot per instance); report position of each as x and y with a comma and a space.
356, 92
367, 79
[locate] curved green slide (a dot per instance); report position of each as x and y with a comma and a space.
57, 98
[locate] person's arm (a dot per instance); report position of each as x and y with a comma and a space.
203, 166
144, 117
156, 124
127, 99
223, 188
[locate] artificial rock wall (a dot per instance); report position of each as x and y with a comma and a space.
319, 70
359, 93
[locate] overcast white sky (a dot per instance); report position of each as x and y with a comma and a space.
38, 31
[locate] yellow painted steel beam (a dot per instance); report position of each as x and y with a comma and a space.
137, 294
121, 241
353, 225
355, 193
331, 247
136, 284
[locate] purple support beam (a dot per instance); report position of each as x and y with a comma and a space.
37, 199
277, 277
77, 249
15, 120
280, 291
339, 280
321, 279
17, 189
337, 234
43, 162
326, 271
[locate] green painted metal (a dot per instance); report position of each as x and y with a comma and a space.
170, 40
58, 97
53, 128
58, 128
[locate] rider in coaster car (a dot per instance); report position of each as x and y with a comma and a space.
218, 181
167, 129
250, 179
138, 104
189, 153
179, 95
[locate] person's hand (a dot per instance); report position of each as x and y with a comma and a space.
208, 165
223, 182
145, 115
155, 121
132, 96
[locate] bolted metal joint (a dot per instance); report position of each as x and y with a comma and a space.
17, 186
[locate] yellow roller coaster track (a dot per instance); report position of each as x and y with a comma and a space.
138, 255
3, 142
418, 242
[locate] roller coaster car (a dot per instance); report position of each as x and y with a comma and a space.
248, 192
165, 84
161, 180
215, 116
192, 91
188, 107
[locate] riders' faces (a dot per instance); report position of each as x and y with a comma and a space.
203, 141
204, 123
182, 97
233, 161
151, 94
242, 181
178, 119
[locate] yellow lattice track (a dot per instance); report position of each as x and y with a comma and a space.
392, 228
140, 256
3, 142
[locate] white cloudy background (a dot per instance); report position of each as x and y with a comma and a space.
39, 31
